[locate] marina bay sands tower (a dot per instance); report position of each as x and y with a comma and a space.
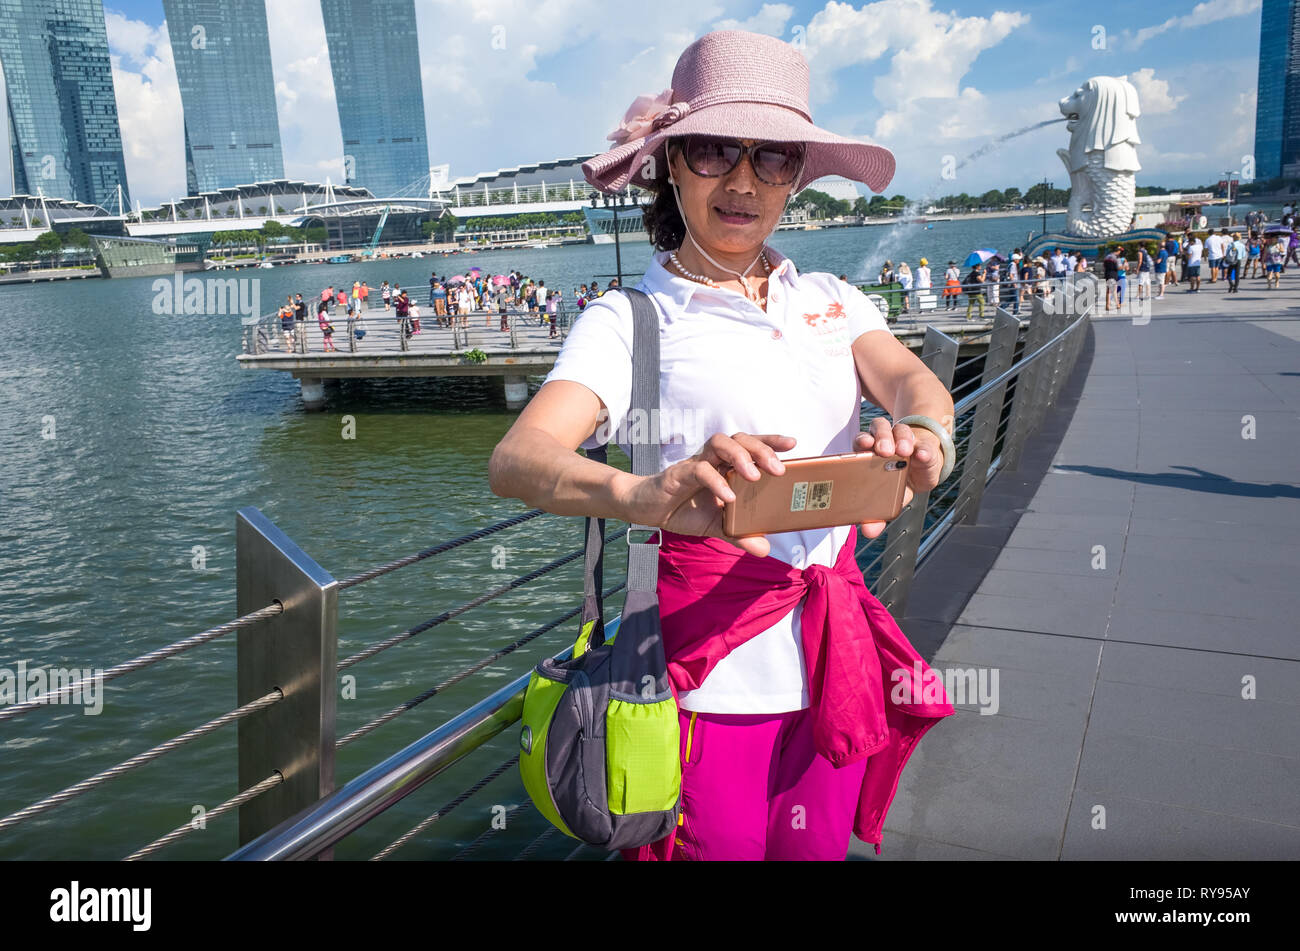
375, 60
222, 51
64, 136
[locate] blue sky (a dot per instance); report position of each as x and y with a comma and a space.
925, 79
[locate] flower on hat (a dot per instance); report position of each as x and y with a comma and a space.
646, 114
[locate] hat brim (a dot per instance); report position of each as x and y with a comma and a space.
638, 162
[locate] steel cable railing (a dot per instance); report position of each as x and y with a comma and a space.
146, 660
248, 795
379, 570
497, 592
148, 756
458, 677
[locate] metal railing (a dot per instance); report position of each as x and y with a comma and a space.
288, 804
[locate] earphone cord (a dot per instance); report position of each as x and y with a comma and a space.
682, 212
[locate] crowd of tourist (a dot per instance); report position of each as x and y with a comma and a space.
1255, 250
451, 302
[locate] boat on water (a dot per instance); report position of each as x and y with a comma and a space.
341, 259
1180, 211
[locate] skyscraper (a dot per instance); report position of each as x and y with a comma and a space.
1277, 106
375, 59
223, 63
63, 129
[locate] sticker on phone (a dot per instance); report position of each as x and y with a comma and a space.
799, 500
819, 495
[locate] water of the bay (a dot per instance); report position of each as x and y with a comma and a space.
118, 538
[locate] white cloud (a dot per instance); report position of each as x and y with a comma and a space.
148, 108
1153, 94
1211, 11
770, 19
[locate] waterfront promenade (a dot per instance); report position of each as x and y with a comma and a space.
1148, 704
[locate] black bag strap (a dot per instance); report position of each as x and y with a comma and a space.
642, 556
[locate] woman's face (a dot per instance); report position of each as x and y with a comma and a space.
733, 213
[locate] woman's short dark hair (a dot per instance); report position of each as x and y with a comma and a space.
663, 222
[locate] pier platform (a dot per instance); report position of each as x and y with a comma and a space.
1134, 585
528, 350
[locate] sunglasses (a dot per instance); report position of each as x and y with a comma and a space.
774, 163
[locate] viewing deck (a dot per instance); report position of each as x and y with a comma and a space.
1148, 702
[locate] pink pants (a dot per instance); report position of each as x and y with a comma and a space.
754, 788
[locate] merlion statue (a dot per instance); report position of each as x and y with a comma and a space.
1101, 159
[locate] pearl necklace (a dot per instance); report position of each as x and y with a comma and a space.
703, 279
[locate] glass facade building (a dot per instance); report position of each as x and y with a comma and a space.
1277, 105
223, 64
375, 59
63, 131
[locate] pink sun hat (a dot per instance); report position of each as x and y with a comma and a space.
739, 84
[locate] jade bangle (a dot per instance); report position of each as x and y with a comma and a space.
949, 450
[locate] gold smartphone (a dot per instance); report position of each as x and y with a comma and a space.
817, 492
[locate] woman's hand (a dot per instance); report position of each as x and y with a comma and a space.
688, 497
920, 446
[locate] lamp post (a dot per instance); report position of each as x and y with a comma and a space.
1230, 173
613, 202
1047, 187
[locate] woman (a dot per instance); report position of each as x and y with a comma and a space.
464, 304
1254, 247
386, 294
801, 350
326, 328
905, 278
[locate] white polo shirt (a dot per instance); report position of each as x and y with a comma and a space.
727, 366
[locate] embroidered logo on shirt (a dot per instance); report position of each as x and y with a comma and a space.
834, 311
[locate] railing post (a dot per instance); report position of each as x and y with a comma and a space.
903, 536
514, 337
984, 427
1022, 405
352, 337
296, 651
401, 333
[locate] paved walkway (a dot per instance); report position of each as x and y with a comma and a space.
1122, 729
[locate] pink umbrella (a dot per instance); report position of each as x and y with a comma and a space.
500, 279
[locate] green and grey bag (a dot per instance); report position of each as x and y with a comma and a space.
599, 743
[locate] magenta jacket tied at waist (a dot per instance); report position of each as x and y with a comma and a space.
871, 693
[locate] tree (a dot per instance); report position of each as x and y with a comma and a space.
1012, 195
992, 199
49, 243
76, 238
